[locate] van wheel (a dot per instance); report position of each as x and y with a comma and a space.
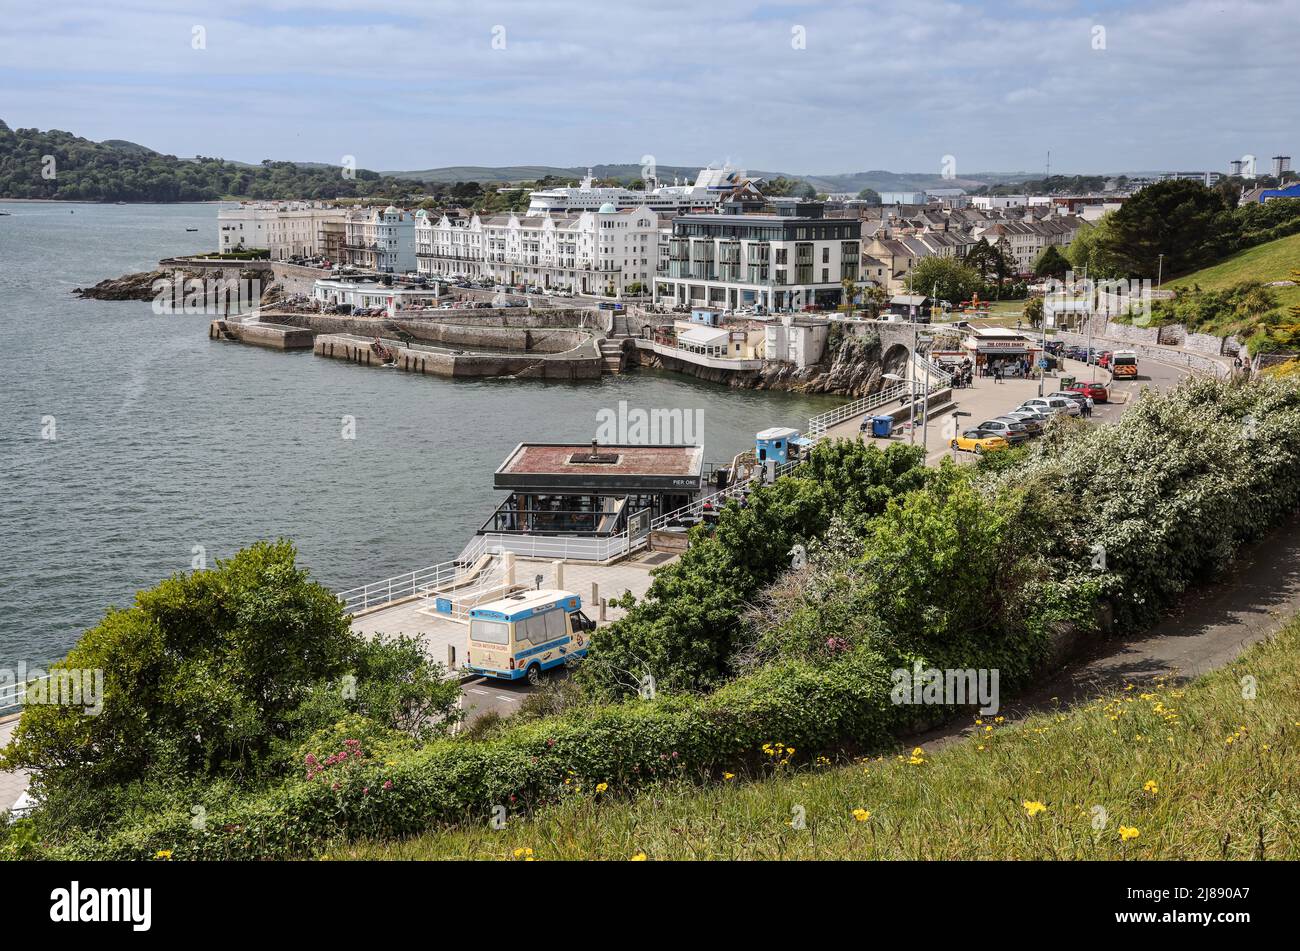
534, 675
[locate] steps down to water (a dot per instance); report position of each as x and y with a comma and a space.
612, 355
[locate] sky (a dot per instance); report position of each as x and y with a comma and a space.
807, 88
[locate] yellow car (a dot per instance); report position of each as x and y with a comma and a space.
977, 441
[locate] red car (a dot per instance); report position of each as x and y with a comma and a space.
1104, 360
1094, 391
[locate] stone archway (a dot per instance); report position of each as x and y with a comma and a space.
896, 359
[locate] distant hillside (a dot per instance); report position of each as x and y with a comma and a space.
116, 170
853, 182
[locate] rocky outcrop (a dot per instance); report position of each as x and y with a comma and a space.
140, 286
852, 368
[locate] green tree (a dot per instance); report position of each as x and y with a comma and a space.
1051, 263
1033, 311
1183, 221
201, 673
990, 261
946, 278
869, 195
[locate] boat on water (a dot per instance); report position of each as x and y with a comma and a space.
191, 229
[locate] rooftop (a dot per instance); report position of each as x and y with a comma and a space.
553, 465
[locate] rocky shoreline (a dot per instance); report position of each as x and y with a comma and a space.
852, 368
141, 285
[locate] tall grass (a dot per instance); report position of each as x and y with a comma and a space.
1198, 770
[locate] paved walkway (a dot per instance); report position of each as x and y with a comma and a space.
437, 632
1207, 630
11, 784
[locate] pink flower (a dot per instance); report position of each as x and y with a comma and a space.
388, 784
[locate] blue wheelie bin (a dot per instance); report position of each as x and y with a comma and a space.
882, 426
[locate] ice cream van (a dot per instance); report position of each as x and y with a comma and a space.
527, 633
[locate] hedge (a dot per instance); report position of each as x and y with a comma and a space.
1172, 490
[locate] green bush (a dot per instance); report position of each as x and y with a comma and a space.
973, 569
682, 632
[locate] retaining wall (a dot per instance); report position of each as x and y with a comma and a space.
356, 349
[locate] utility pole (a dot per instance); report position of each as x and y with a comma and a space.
1160, 269
911, 391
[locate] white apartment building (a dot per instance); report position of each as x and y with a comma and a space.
286, 229
1026, 240
592, 252
379, 240
780, 262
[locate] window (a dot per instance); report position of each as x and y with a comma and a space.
555, 626
531, 629
489, 632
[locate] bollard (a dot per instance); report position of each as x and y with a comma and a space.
602, 609
451, 656
557, 567
595, 593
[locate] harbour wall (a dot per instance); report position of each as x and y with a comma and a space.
575, 365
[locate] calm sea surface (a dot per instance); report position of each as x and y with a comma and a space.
165, 440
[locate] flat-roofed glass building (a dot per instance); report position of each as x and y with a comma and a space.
781, 262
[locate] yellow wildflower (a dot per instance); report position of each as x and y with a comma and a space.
861, 815
1033, 807
1128, 832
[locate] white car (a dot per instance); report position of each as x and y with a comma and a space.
1053, 404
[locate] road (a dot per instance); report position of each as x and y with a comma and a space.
987, 399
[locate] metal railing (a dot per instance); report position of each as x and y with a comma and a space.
13, 696
400, 586
557, 546
718, 499
939, 377
818, 425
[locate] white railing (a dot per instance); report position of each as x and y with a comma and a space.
13, 696
557, 546
818, 425
400, 586
939, 377
718, 499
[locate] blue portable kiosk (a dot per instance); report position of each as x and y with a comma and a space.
774, 444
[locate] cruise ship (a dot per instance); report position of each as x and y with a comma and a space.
711, 185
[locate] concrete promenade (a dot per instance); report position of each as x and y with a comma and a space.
11, 784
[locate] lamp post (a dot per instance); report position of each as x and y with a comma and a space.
1160, 268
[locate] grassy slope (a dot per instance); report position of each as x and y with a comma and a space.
1273, 261
1227, 772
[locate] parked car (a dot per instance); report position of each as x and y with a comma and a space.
1013, 432
978, 442
1081, 398
1103, 360
1032, 426
1022, 414
1053, 404
1095, 391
